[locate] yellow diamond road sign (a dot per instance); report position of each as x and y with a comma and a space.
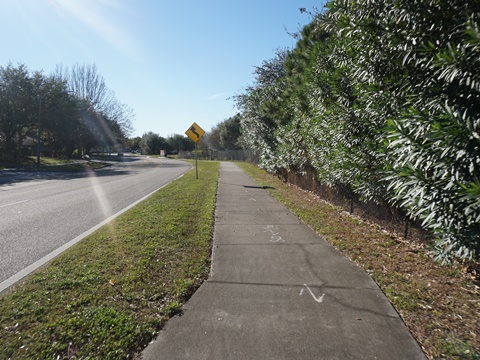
195, 132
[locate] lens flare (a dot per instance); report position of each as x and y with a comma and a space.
102, 200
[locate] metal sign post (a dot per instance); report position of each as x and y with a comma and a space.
195, 133
196, 162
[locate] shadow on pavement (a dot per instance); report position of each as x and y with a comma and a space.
128, 165
16, 176
258, 187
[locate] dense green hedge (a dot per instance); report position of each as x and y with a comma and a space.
381, 98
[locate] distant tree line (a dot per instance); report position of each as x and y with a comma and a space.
223, 136
73, 111
151, 143
380, 99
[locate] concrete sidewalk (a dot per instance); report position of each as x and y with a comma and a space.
279, 291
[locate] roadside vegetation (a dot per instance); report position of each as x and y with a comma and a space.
107, 297
48, 164
440, 304
69, 112
380, 100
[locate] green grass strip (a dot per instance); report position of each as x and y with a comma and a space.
106, 297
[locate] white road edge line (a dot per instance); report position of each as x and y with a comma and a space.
31, 268
15, 203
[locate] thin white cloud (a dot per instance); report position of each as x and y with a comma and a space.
216, 96
97, 16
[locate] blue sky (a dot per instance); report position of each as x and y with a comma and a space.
173, 62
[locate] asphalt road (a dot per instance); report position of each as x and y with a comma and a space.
40, 212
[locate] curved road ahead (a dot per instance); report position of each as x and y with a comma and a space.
40, 212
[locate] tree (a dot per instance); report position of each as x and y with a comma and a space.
417, 67
121, 116
87, 84
134, 143
261, 112
59, 120
177, 143
109, 120
18, 107
152, 143
225, 135
67, 111
436, 140
382, 99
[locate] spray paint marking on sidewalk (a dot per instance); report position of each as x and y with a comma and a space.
317, 299
275, 235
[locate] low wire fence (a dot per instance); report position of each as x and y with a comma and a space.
222, 155
384, 215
